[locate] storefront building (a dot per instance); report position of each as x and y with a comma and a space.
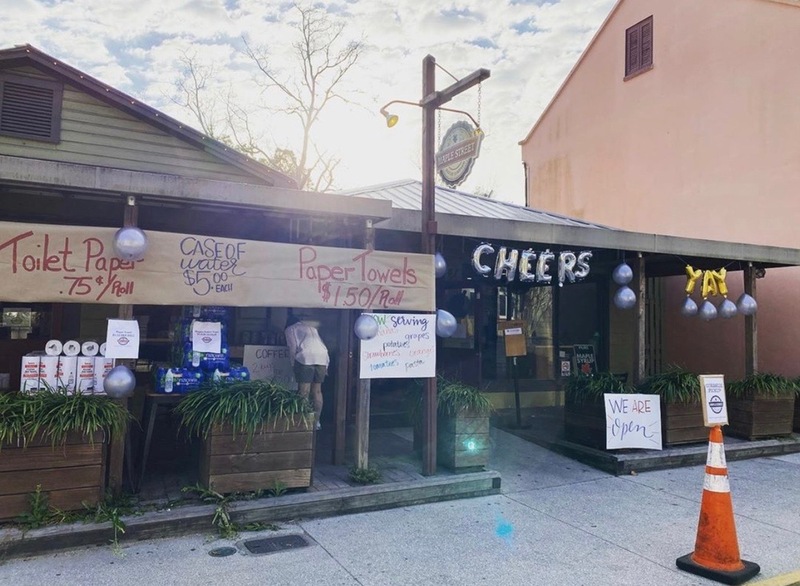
558, 312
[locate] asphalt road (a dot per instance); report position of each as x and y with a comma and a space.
557, 522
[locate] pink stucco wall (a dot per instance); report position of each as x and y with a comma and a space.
704, 145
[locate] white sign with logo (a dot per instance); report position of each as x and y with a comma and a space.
122, 338
405, 347
633, 421
712, 393
271, 363
207, 336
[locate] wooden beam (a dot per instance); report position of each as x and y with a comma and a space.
640, 344
750, 325
343, 378
362, 423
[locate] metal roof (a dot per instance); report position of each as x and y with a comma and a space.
471, 216
407, 195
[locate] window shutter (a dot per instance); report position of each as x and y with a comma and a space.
639, 47
647, 43
632, 59
30, 108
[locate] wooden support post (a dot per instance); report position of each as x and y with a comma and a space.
362, 424
750, 325
116, 449
641, 333
343, 378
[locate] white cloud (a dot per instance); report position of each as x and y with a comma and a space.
528, 46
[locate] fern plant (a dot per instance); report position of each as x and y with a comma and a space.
247, 406
763, 384
674, 385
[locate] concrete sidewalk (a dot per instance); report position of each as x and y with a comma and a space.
556, 522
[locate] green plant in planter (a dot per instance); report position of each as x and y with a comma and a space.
590, 388
674, 385
451, 397
456, 397
247, 406
53, 415
763, 384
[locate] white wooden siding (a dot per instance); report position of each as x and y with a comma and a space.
93, 133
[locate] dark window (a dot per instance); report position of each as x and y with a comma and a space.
30, 108
639, 47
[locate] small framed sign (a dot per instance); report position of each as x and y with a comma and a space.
585, 361
712, 392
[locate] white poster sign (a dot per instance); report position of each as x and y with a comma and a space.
122, 338
207, 336
715, 407
270, 363
633, 421
405, 347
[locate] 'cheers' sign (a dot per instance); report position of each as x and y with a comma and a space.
531, 267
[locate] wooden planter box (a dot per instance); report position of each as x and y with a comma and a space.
282, 454
462, 441
682, 423
71, 474
796, 425
760, 417
585, 424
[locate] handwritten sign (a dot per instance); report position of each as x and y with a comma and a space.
271, 363
633, 421
122, 338
405, 347
49, 263
712, 393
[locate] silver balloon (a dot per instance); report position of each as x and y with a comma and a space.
527, 261
727, 309
366, 327
446, 323
707, 311
746, 304
542, 268
582, 265
130, 243
439, 265
689, 307
480, 268
506, 263
624, 298
623, 274
566, 267
119, 382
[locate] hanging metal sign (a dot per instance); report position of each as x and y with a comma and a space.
460, 147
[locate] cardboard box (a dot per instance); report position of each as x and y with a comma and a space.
29, 378
102, 366
85, 382
67, 373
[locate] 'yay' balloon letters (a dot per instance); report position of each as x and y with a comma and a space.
531, 267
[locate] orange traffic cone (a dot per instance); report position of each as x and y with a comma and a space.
716, 550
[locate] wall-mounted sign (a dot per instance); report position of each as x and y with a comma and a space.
460, 147
585, 361
532, 267
712, 393
514, 336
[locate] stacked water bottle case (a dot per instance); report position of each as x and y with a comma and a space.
192, 367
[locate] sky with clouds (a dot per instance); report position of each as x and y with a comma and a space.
529, 46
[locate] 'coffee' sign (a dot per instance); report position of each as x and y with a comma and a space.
532, 267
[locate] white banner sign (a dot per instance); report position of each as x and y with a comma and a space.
122, 338
207, 336
270, 363
633, 421
405, 347
712, 392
